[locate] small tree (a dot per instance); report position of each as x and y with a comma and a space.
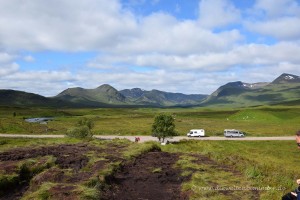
163, 127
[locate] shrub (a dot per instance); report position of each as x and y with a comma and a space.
80, 132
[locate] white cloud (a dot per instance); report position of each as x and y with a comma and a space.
103, 26
287, 28
63, 25
29, 58
172, 53
217, 13
248, 55
7, 69
279, 19
7, 64
278, 8
5, 57
47, 83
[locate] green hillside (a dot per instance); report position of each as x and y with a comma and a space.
284, 90
102, 96
20, 98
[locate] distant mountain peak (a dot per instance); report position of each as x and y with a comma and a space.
287, 78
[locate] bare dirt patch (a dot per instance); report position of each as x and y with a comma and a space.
149, 176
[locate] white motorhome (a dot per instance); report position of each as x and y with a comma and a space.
233, 133
196, 133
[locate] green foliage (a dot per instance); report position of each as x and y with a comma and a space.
82, 129
163, 126
88, 193
80, 132
86, 122
41, 194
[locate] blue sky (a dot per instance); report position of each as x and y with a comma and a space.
187, 46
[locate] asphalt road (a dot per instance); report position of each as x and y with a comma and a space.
150, 138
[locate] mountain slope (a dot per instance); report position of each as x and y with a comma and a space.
285, 88
161, 98
286, 78
20, 98
100, 96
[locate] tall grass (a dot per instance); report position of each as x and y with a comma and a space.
262, 163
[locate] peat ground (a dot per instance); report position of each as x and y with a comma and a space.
67, 171
150, 176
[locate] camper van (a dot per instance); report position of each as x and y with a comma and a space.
196, 133
233, 133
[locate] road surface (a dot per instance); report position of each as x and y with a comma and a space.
150, 138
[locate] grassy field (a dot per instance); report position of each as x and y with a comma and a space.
216, 169
270, 167
261, 121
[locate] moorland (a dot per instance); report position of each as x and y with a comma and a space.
69, 168
255, 121
107, 169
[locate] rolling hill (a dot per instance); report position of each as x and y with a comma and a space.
20, 98
103, 95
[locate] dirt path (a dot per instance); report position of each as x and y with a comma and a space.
150, 177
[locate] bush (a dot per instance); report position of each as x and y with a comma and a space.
86, 122
80, 132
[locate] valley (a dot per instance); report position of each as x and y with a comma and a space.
51, 165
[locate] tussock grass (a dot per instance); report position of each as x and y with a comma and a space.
41, 194
260, 163
136, 149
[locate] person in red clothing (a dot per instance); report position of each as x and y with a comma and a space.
298, 138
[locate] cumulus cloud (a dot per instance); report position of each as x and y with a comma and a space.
217, 13
278, 8
7, 69
42, 82
29, 58
63, 25
287, 28
7, 64
279, 19
153, 51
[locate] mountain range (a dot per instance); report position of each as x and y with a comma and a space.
283, 90
107, 95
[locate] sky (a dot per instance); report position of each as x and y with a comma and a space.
186, 46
